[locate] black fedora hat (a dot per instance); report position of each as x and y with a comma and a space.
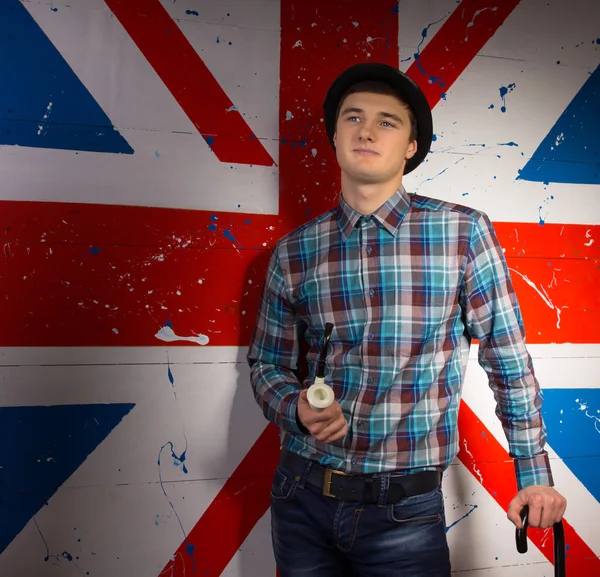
406, 88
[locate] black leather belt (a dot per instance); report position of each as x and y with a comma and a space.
361, 488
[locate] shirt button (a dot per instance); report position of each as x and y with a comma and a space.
370, 380
371, 336
371, 292
369, 250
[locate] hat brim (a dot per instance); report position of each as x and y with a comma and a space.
406, 88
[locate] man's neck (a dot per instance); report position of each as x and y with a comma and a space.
367, 198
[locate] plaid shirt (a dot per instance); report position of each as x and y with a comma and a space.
406, 289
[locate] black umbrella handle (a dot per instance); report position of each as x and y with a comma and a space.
559, 542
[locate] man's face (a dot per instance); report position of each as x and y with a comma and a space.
372, 138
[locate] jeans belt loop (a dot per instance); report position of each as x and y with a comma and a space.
305, 473
384, 485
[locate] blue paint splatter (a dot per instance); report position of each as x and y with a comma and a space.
490, 106
170, 375
209, 140
417, 56
178, 461
465, 193
473, 507
395, 9
214, 217
406, 59
218, 40
442, 172
247, 221
542, 220
54, 9
191, 12
212, 227
94, 250
504, 90
229, 236
156, 154
511, 143
434, 137
169, 323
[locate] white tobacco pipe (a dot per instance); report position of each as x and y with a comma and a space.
320, 395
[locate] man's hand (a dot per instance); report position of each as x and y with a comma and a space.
546, 507
327, 425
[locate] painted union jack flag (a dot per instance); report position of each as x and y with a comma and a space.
154, 151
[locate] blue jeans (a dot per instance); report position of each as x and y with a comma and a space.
318, 536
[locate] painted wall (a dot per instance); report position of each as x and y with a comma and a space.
152, 154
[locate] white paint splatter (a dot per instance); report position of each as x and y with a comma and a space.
583, 406
477, 13
45, 117
559, 140
116, 331
473, 464
588, 234
288, 115
298, 44
544, 296
168, 335
314, 152
230, 109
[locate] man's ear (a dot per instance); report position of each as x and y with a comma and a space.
335, 139
412, 150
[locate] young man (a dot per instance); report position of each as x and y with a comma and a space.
407, 282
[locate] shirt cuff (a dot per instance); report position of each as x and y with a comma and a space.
289, 415
533, 471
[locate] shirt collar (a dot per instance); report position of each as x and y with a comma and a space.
389, 215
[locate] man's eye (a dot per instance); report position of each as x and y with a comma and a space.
353, 118
388, 123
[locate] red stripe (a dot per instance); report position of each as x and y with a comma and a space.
146, 264
190, 81
233, 513
459, 40
491, 465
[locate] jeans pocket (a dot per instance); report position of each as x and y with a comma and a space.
427, 508
283, 486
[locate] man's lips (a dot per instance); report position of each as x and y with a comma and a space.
365, 152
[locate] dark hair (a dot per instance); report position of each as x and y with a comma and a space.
378, 87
